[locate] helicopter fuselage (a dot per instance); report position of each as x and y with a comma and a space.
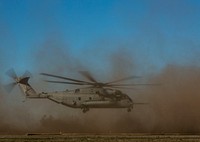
96, 95
89, 98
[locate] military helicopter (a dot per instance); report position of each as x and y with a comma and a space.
94, 95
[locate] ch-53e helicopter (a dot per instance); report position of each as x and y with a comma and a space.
94, 95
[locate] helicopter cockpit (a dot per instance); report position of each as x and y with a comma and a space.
114, 93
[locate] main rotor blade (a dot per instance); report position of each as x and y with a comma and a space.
11, 73
64, 82
66, 78
123, 79
88, 76
118, 85
123, 88
9, 87
140, 103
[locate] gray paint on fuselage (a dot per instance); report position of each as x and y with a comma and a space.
92, 100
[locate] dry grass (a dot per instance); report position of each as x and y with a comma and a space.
100, 138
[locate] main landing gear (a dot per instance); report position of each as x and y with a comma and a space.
85, 109
128, 109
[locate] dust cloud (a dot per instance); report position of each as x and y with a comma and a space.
173, 106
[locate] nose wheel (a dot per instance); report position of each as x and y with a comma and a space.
129, 109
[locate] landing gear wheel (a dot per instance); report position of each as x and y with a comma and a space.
85, 109
129, 110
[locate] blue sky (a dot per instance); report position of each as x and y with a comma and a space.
153, 33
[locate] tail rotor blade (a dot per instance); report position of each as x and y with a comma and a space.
27, 74
22, 80
11, 73
9, 87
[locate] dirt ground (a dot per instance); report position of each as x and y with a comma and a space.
100, 138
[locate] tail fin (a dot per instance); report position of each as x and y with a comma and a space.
26, 88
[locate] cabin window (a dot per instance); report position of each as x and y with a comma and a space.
90, 98
79, 98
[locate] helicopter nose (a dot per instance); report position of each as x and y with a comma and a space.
130, 102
